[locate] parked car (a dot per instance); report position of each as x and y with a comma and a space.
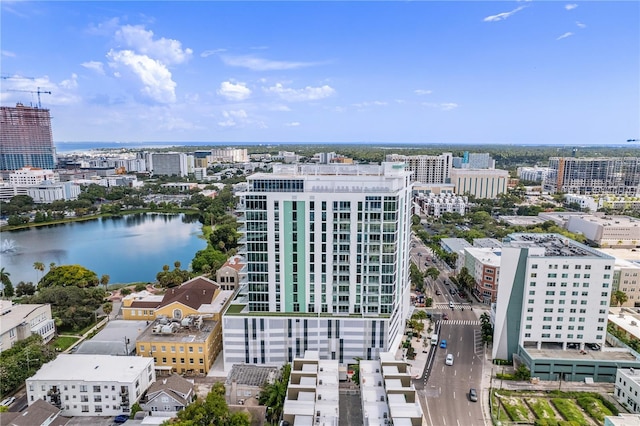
8, 401
438, 293
593, 346
449, 359
573, 345
121, 418
473, 395
443, 344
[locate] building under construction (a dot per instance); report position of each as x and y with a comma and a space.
25, 138
592, 176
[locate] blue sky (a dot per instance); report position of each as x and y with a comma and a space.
423, 71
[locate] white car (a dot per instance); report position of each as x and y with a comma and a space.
7, 402
449, 360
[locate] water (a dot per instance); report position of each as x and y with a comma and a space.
128, 249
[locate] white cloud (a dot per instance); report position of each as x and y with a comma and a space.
565, 35
371, 103
280, 108
570, 6
154, 75
292, 124
445, 106
234, 92
422, 92
580, 24
233, 118
8, 54
94, 65
208, 53
307, 94
71, 83
502, 16
166, 50
259, 64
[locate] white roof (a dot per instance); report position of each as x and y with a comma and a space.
93, 368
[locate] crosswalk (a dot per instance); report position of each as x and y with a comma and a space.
456, 306
460, 322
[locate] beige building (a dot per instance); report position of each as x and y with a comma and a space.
480, 183
626, 278
227, 276
607, 231
17, 322
244, 383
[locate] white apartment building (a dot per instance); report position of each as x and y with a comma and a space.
388, 396
312, 394
532, 174
585, 202
552, 291
28, 176
426, 169
168, 163
327, 255
229, 155
92, 385
17, 322
480, 183
627, 387
48, 192
607, 231
436, 204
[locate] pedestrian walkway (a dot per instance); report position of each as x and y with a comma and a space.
456, 306
459, 322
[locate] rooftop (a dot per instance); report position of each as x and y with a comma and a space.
622, 221
165, 330
632, 255
588, 355
522, 220
555, 245
251, 375
487, 256
111, 339
94, 368
193, 293
627, 319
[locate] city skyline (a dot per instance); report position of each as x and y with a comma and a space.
383, 72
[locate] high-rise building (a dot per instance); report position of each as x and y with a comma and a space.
327, 252
25, 138
553, 293
168, 163
427, 168
480, 183
612, 175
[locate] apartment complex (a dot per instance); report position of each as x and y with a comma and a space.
426, 169
25, 138
474, 160
627, 387
480, 183
435, 205
532, 174
27, 176
616, 176
483, 263
91, 385
626, 278
552, 290
327, 249
17, 322
312, 394
229, 155
388, 396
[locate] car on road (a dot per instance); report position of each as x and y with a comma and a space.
443, 344
446, 282
8, 401
473, 395
449, 359
438, 293
121, 418
451, 304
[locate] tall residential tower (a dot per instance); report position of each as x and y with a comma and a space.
25, 138
327, 252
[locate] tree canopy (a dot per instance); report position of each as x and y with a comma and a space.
213, 410
69, 275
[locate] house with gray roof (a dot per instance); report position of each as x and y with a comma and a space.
167, 396
245, 382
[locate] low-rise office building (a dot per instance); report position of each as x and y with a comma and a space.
484, 265
480, 183
91, 385
607, 231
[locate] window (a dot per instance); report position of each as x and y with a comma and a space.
85, 408
96, 388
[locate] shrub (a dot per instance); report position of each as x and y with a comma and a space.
594, 407
568, 409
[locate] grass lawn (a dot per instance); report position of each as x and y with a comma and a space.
594, 407
570, 411
516, 409
63, 342
541, 408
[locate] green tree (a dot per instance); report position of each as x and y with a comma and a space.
618, 298
104, 280
213, 410
107, 308
39, 266
7, 287
69, 275
225, 237
273, 394
433, 273
522, 372
25, 289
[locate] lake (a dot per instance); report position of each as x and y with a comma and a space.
128, 248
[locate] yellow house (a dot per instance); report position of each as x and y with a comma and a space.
140, 306
186, 335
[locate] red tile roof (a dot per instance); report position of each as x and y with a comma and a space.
193, 293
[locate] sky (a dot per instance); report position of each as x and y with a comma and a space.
505, 72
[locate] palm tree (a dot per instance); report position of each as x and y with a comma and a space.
38, 266
52, 266
618, 297
104, 280
177, 264
7, 288
107, 308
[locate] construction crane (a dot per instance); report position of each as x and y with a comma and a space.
32, 91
